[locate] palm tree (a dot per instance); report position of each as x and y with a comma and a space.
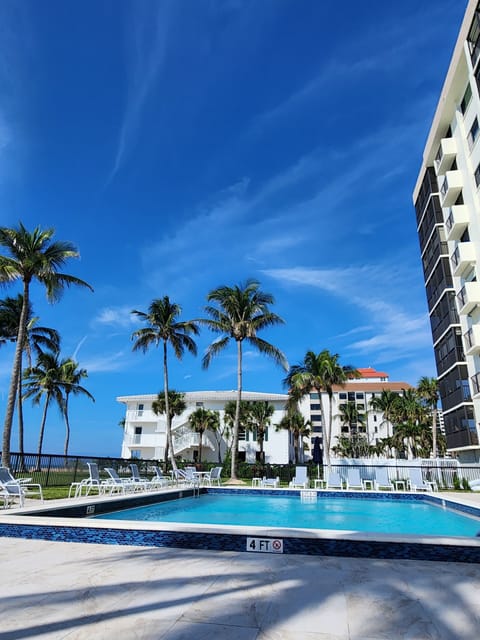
31, 256
259, 418
175, 405
71, 377
36, 339
238, 313
386, 403
202, 420
44, 380
321, 372
427, 389
295, 423
163, 327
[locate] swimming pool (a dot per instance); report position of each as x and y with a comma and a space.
405, 517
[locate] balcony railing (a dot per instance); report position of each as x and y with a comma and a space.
457, 221
463, 258
451, 187
468, 297
142, 415
475, 380
471, 340
445, 155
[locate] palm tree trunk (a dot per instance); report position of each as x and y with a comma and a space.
200, 447
434, 432
67, 428
42, 431
167, 407
12, 392
20, 421
233, 472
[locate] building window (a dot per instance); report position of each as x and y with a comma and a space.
477, 176
342, 396
140, 409
473, 134
316, 418
375, 419
199, 404
315, 407
467, 96
360, 396
314, 396
316, 429
265, 436
136, 453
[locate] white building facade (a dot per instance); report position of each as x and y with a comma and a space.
447, 204
145, 432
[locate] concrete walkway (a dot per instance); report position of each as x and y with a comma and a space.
56, 590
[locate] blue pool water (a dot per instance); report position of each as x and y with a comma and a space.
379, 516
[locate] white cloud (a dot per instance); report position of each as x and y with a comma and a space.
147, 40
113, 362
116, 316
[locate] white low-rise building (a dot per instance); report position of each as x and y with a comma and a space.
145, 431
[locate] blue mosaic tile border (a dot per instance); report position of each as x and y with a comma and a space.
238, 542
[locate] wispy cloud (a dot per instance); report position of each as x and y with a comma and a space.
147, 40
113, 362
396, 333
116, 317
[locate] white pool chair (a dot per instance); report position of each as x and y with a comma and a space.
214, 477
271, 482
116, 484
300, 480
159, 480
382, 481
334, 481
18, 489
143, 483
353, 479
417, 482
85, 486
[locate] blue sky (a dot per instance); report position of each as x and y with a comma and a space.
184, 145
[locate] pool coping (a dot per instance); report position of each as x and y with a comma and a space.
32, 523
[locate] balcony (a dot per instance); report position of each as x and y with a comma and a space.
445, 155
450, 188
472, 340
463, 258
143, 440
468, 297
457, 221
475, 381
141, 415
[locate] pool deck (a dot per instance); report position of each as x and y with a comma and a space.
56, 590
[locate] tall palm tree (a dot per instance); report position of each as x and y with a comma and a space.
44, 380
71, 377
202, 420
427, 389
295, 423
238, 313
36, 339
31, 256
171, 404
260, 414
386, 403
163, 327
321, 372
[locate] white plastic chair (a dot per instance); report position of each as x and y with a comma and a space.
301, 479
334, 481
417, 482
353, 479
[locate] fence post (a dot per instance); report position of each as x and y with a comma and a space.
48, 470
75, 470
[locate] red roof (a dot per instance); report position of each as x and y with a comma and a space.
370, 372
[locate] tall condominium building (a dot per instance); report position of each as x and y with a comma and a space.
447, 205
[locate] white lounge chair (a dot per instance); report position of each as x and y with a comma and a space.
382, 481
115, 483
18, 489
86, 485
159, 480
417, 482
301, 479
353, 479
271, 482
334, 481
214, 476
137, 479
